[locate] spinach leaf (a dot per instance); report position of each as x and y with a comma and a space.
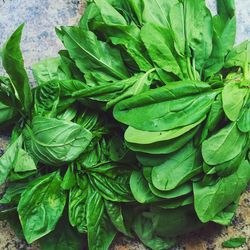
176, 105
210, 200
233, 100
224, 145
177, 169
105, 61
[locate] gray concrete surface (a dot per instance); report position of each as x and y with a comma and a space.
39, 41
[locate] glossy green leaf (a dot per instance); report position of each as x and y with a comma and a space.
233, 98
177, 169
176, 105
210, 200
224, 145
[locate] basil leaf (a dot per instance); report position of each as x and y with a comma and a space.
41, 205
55, 142
100, 232
105, 61
8, 158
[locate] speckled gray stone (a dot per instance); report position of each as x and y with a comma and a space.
39, 41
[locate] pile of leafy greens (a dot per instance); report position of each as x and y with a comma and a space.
140, 126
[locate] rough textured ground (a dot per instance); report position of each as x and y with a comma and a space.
39, 41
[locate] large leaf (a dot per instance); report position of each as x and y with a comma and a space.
177, 169
133, 135
212, 199
176, 105
156, 11
93, 55
224, 145
233, 98
55, 142
14, 66
41, 206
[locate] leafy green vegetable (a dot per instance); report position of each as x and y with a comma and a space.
41, 206
140, 126
55, 142
234, 242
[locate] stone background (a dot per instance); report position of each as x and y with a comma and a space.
39, 41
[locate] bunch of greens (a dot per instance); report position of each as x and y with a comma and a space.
140, 126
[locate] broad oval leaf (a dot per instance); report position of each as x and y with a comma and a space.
41, 205
176, 105
209, 200
177, 169
133, 135
55, 142
233, 98
224, 145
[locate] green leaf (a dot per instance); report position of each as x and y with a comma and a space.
160, 47
156, 11
77, 208
6, 113
46, 70
224, 145
115, 213
177, 169
133, 135
100, 231
93, 55
47, 97
14, 66
55, 142
144, 229
234, 242
212, 199
244, 120
176, 105
172, 194
12, 193
23, 162
233, 98
164, 147
8, 158
140, 188
115, 188
41, 206
226, 216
